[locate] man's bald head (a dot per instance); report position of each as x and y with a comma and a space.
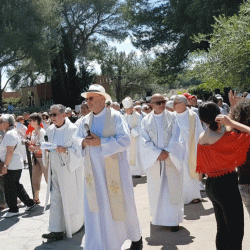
158, 103
156, 97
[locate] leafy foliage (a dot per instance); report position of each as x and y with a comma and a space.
227, 60
171, 24
28, 30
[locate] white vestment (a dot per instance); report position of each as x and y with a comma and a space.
65, 181
163, 211
134, 124
79, 120
190, 185
101, 231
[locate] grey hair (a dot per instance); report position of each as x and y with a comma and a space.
9, 119
59, 107
181, 98
116, 104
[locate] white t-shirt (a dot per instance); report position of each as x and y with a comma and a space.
12, 138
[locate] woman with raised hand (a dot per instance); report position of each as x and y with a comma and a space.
219, 153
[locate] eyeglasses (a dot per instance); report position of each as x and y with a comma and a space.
175, 103
91, 98
159, 102
55, 114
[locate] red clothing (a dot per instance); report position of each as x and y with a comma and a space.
30, 129
224, 156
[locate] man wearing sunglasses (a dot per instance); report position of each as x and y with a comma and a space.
109, 206
162, 152
65, 182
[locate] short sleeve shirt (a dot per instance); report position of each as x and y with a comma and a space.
12, 138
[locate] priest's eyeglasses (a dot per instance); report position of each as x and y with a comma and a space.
91, 98
55, 114
159, 102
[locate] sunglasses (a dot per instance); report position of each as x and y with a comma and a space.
55, 114
159, 102
91, 98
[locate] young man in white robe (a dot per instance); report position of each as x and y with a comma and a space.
191, 129
65, 178
162, 153
109, 205
133, 119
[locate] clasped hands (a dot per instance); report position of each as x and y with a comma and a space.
92, 140
163, 155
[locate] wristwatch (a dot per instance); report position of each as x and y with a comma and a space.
66, 151
5, 166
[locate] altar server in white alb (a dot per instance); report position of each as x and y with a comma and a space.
65, 178
133, 119
162, 154
109, 205
191, 128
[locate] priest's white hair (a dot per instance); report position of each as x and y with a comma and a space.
59, 107
181, 98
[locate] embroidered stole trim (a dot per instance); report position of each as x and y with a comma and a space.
173, 175
113, 180
133, 144
192, 146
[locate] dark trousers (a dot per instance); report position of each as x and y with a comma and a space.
14, 189
224, 193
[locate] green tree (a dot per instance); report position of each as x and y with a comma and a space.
28, 31
128, 73
85, 27
171, 24
227, 60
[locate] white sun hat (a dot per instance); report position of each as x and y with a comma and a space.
127, 102
98, 89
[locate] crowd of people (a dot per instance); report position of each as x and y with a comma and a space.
88, 160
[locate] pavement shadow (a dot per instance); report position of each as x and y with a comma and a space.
195, 211
162, 236
73, 243
36, 211
141, 180
6, 223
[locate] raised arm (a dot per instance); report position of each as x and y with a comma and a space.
227, 121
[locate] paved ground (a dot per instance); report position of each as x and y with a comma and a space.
197, 231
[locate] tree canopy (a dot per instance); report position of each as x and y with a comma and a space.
171, 24
28, 30
227, 60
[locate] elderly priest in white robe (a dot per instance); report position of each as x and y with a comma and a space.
133, 119
109, 205
162, 153
65, 178
191, 128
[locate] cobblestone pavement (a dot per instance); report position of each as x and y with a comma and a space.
197, 231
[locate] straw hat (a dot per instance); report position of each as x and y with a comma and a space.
98, 89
